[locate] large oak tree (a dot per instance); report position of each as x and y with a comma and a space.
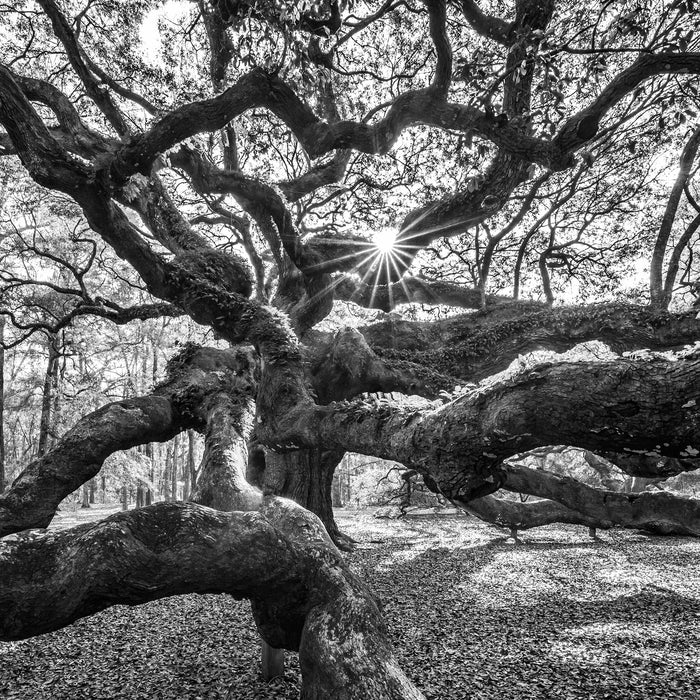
444, 174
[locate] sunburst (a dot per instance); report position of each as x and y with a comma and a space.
384, 240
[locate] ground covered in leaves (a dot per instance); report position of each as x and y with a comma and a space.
472, 615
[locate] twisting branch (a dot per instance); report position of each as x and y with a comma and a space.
487, 25
437, 12
304, 596
32, 499
97, 93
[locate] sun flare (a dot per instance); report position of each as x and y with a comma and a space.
384, 240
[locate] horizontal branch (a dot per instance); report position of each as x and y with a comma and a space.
623, 405
583, 126
479, 345
134, 557
523, 516
414, 290
260, 89
660, 512
346, 366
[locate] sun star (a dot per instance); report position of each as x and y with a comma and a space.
384, 240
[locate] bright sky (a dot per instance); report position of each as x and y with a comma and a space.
151, 44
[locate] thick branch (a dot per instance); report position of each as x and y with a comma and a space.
523, 516
258, 89
478, 345
492, 27
583, 126
39, 151
303, 594
655, 511
415, 290
346, 367
222, 480
99, 95
32, 499
628, 405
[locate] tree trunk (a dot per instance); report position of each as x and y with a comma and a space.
222, 482
50, 379
191, 463
337, 491
125, 498
85, 496
150, 496
659, 292
167, 472
306, 476
174, 468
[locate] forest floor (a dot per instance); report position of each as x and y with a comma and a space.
472, 615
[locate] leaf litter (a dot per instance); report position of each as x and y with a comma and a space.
471, 614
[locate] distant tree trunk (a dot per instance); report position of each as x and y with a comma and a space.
85, 501
336, 492
167, 480
2, 404
125, 498
150, 496
50, 379
190, 467
659, 292
174, 466
93, 488
56, 389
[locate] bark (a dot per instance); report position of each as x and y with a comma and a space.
346, 366
634, 405
222, 482
476, 346
523, 516
279, 557
306, 477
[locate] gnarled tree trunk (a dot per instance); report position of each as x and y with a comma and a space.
306, 476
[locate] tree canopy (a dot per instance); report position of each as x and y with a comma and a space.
375, 211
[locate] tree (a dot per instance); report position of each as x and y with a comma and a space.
370, 169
